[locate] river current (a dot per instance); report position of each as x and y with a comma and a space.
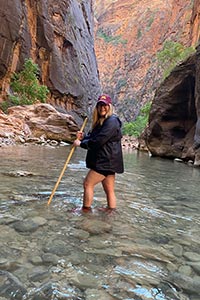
149, 249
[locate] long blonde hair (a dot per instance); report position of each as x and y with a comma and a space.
97, 120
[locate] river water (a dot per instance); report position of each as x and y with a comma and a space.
149, 249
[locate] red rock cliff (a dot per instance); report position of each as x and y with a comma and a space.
174, 122
58, 36
129, 34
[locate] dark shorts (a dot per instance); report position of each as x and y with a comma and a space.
104, 173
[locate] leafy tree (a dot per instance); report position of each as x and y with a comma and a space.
171, 54
135, 128
26, 87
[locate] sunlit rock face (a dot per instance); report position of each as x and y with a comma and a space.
128, 36
40, 121
58, 36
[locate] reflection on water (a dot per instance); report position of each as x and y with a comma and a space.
148, 249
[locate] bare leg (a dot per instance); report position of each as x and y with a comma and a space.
108, 185
90, 181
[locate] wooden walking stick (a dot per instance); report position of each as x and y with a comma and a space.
65, 166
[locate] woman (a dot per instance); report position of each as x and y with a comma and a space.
104, 152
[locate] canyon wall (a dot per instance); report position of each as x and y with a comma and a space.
58, 36
128, 36
174, 121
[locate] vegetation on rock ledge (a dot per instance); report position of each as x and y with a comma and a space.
136, 127
26, 87
171, 54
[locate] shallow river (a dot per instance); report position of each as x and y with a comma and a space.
149, 249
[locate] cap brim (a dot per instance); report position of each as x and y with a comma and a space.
103, 101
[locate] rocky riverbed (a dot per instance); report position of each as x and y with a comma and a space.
149, 248
85, 253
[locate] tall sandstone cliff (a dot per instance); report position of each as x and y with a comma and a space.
174, 122
58, 36
128, 36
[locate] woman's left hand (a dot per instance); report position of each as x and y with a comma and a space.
77, 143
80, 135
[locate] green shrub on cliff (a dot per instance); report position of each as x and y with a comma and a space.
26, 87
108, 38
171, 54
136, 127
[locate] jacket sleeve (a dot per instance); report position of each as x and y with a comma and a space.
110, 129
84, 142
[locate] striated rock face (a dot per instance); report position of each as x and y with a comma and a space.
58, 36
129, 34
42, 121
195, 22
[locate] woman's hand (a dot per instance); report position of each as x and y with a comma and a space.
80, 135
77, 143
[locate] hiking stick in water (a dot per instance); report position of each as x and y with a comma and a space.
65, 166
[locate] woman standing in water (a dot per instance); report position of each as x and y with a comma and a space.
104, 152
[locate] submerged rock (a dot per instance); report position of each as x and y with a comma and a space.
10, 286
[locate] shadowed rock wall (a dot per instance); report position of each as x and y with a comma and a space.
174, 121
173, 114
58, 36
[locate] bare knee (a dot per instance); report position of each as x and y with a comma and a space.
86, 183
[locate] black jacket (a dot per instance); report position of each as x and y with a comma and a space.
104, 146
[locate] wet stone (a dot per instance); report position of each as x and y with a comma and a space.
49, 258
78, 233
10, 285
171, 267
192, 256
107, 252
35, 260
9, 265
39, 274
39, 221
195, 266
50, 290
191, 285
3, 262
186, 270
6, 220
57, 247
77, 257
19, 173
178, 250
86, 281
96, 242
97, 268
183, 241
25, 226
92, 294
95, 226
